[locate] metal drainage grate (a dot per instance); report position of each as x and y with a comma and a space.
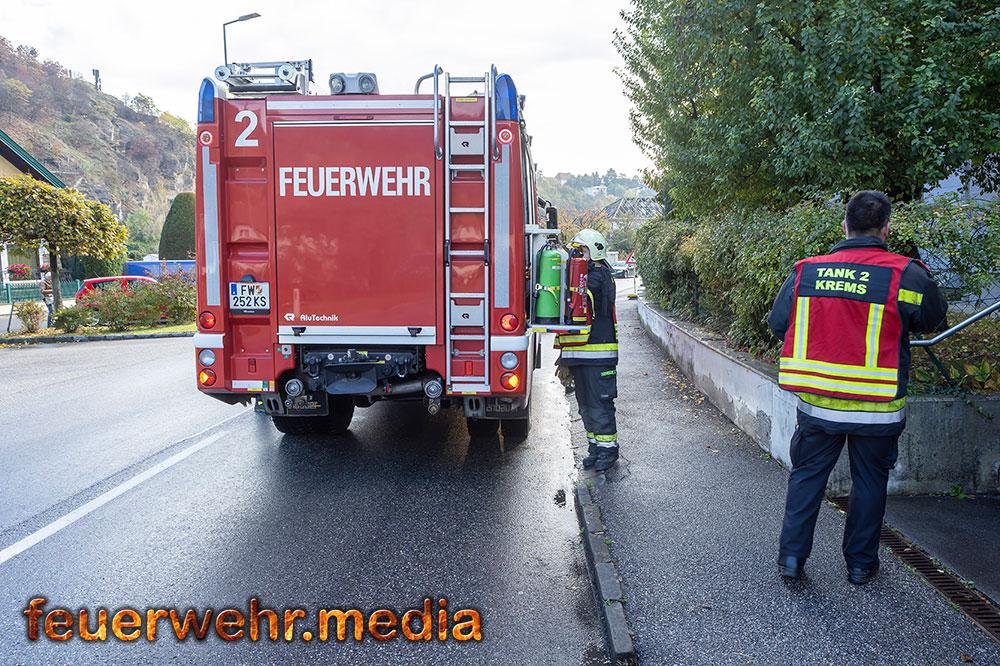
971, 602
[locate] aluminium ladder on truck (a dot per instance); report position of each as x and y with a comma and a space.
467, 313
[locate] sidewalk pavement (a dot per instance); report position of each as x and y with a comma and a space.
693, 512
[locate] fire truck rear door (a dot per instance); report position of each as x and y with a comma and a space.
357, 233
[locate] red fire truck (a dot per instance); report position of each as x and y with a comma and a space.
356, 247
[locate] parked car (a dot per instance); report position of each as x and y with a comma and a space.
125, 282
620, 269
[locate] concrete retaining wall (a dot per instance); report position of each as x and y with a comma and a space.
948, 441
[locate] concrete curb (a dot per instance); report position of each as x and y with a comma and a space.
605, 578
48, 339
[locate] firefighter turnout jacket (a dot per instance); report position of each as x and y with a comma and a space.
600, 345
845, 318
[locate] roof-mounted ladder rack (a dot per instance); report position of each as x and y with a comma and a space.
250, 78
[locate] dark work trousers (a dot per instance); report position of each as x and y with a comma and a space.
596, 390
814, 453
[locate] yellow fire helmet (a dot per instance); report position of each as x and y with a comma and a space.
595, 241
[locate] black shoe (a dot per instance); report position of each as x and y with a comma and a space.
606, 458
862, 575
791, 566
591, 458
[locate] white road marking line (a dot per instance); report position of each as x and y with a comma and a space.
76, 514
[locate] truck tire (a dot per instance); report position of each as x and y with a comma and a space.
515, 430
336, 422
301, 425
341, 414
481, 427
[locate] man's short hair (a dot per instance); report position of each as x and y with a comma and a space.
867, 211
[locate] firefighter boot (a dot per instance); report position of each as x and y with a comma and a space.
607, 456
591, 458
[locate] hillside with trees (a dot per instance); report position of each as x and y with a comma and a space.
123, 152
581, 199
576, 194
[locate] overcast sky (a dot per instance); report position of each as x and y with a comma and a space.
560, 54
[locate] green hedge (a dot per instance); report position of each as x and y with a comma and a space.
177, 238
725, 271
172, 300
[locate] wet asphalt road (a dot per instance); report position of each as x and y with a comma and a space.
405, 507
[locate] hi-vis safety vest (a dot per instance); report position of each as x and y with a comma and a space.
844, 336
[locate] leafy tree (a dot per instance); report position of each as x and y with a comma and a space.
589, 219
35, 213
177, 237
143, 104
766, 103
143, 234
93, 267
27, 52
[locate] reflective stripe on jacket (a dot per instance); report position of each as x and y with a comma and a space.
599, 345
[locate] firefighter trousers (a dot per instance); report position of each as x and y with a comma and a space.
596, 390
814, 453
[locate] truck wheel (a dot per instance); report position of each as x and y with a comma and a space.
341, 413
335, 423
301, 425
481, 427
515, 430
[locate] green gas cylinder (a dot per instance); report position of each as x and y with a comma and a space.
551, 260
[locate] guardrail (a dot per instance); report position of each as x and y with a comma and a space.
957, 327
944, 335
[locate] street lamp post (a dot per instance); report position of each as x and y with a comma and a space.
245, 17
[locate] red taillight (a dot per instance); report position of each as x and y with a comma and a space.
206, 319
510, 381
508, 322
206, 377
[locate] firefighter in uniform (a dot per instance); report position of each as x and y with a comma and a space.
845, 318
593, 358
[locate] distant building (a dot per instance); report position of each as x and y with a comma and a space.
631, 211
14, 161
563, 177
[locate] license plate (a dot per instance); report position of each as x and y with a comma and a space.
250, 297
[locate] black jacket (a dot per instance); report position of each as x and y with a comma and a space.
924, 318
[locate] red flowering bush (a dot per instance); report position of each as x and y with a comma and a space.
19, 271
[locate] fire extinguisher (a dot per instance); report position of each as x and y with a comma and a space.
579, 302
551, 264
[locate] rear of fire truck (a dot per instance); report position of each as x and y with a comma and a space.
359, 247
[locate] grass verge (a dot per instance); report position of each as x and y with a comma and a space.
103, 330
